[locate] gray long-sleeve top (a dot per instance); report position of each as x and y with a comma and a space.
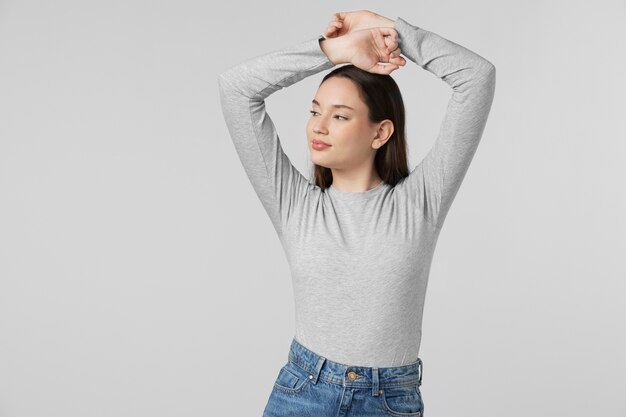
359, 261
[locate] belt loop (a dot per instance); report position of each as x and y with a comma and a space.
375, 382
313, 377
421, 369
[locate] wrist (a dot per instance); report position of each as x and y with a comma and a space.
335, 50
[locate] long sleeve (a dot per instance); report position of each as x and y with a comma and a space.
243, 90
435, 181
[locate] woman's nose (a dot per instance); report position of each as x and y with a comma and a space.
319, 127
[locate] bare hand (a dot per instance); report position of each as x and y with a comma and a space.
370, 47
343, 23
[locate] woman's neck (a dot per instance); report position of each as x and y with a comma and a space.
355, 184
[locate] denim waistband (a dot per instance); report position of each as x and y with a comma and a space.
318, 367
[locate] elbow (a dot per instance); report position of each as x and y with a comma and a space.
225, 90
229, 84
488, 70
224, 85
489, 81
487, 75
491, 70
222, 80
226, 78
491, 74
484, 81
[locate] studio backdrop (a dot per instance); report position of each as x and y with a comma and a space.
140, 275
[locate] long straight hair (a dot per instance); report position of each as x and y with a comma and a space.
382, 96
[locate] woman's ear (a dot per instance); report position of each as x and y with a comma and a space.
384, 132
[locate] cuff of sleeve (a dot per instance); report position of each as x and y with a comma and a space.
318, 49
404, 29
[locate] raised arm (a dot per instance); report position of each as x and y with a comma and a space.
435, 181
243, 89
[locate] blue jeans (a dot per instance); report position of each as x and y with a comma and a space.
309, 385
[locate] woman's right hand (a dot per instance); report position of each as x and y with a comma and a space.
343, 23
367, 48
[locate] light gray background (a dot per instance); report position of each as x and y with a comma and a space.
140, 276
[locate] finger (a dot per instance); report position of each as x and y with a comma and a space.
381, 67
400, 61
395, 53
392, 43
341, 15
387, 31
384, 68
337, 17
336, 25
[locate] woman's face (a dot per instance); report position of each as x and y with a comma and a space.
346, 129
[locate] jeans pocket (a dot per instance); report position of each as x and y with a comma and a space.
289, 380
403, 401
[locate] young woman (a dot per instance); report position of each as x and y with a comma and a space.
360, 239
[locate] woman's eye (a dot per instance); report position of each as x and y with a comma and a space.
313, 112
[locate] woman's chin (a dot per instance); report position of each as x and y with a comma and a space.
319, 161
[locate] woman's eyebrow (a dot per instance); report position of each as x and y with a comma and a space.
338, 106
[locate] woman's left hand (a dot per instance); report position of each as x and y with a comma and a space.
375, 50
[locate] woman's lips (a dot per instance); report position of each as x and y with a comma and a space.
319, 145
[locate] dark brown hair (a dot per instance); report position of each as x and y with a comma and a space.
382, 96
